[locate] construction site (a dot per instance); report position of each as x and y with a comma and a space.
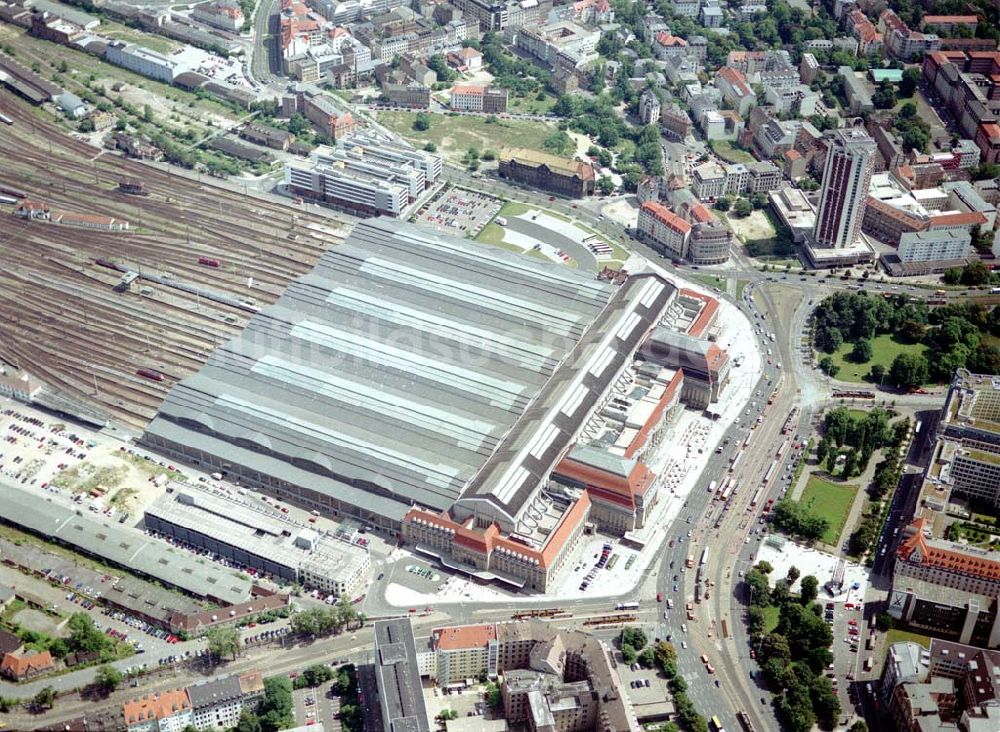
109, 320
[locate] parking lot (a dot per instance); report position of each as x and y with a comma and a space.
466, 212
317, 706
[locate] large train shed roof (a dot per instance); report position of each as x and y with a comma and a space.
396, 369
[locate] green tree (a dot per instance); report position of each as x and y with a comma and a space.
605, 185
83, 636
884, 96
975, 273
107, 678
494, 699
793, 574
346, 614
862, 352
859, 726
422, 122
828, 367
909, 370
45, 698
758, 588
884, 621
223, 641
629, 655
318, 673
298, 124
876, 373
634, 637
909, 83
742, 208
808, 589
86, 125
722, 203
430, 147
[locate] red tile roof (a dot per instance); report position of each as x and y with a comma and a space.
917, 548
671, 41
707, 314
667, 217
156, 706
17, 665
460, 637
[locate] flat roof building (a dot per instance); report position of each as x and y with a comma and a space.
401, 697
127, 547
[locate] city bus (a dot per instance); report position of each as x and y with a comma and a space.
627, 606
716, 724
704, 557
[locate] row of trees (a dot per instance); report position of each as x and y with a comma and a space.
794, 655
665, 656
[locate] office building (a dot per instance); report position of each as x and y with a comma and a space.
847, 174
364, 174
709, 181
220, 14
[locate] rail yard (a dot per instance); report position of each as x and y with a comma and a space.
197, 262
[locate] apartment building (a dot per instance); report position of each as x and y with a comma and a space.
167, 711
217, 704
413, 96
561, 681
666, 45
735, 90
222, 14
497, 15
965, 84
902, 42
662, 229
464, 652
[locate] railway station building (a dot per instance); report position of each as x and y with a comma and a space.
430, 388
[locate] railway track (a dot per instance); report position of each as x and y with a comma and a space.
60, 316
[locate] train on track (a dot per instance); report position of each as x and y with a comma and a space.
133, 187
15, 192
150, 374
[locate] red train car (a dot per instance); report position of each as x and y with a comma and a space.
150, 374
208, 262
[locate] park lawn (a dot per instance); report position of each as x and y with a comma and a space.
725, 150
832, 501
708, 280
455, 135
531, 105
741, 285
771, 617
885, 348
121, 32
901, 636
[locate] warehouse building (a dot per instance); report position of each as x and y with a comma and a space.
102, 537
253, 536
426, 386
